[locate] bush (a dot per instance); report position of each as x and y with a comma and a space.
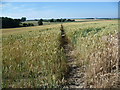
27, 24
30, 24
40, 22
70, 20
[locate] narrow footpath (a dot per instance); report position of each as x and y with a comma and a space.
75, 76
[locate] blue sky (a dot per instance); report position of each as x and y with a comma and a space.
33, 10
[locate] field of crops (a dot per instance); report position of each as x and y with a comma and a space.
96, 48
32, 56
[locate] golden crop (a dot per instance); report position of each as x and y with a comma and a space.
33, 58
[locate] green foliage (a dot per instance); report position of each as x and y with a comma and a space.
51, 20
69, 20
61, 20
27, 24
23, 19
40, 22
30, 24
10, 23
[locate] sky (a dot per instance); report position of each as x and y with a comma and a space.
37, 10
60, 0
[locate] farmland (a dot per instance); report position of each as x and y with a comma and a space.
33, 56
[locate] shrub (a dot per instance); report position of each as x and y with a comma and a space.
40, 22
30, 24
25, 24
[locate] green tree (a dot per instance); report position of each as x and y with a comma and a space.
52, 20
40, 22
23, 19
10, 23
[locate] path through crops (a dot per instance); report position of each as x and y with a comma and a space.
75, 75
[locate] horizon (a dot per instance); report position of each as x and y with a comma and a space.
48, 10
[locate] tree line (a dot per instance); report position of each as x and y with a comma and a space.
12, 23
40, 22
56, 20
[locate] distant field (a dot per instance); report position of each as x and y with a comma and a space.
52, 25
32, 56
34, 22
85, 19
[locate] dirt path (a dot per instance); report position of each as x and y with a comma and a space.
75, 76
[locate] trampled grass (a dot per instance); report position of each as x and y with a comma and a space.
33, 58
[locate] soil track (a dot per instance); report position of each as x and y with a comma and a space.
75, 75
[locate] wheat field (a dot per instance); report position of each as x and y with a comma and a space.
32, 56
